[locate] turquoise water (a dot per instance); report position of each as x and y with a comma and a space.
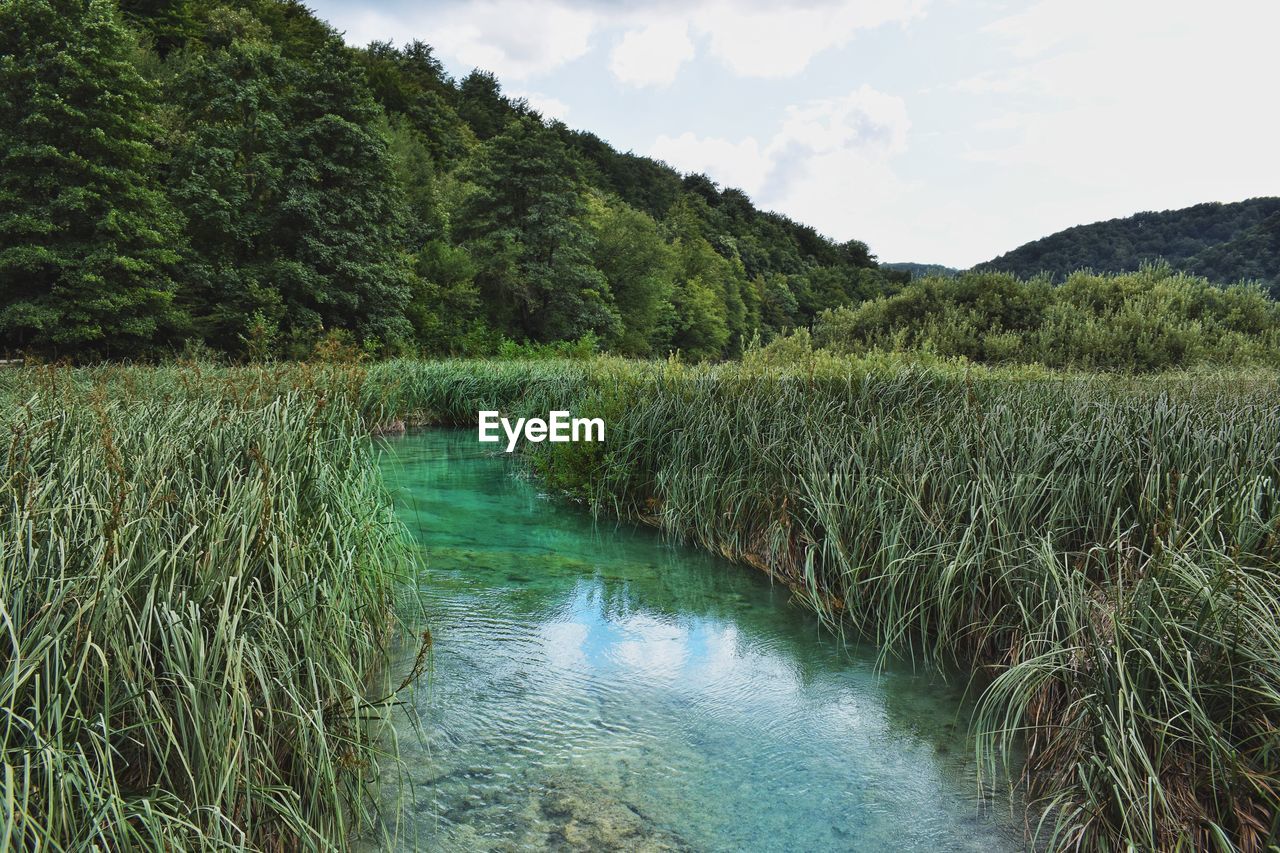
595, 688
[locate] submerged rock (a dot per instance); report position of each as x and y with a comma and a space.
589, 817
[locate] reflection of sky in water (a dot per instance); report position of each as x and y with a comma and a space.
594, 688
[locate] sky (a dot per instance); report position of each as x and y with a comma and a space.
936, 131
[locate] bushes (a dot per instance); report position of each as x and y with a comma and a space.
1146, 321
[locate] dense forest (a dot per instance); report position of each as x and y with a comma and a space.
921, 270
1222, 242
227, 174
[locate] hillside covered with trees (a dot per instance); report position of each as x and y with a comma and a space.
228, 173
1225, 243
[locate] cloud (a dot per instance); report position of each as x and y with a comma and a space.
752, 39
1119, 95
779, 40
829, 163
547, 105
736, 164
519, 40
653, 55
515, 40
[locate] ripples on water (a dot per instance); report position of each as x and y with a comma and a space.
595, 688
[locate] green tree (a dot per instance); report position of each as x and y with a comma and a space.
169, 22
523, 222
285, 175
86, 237
630, 252
482, 105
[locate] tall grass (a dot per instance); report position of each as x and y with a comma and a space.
1104, 553
197, 584
188, 622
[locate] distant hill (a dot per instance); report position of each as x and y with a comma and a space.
921, 270
1223, 242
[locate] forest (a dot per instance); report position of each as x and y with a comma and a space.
231, 176
1222, 242
228, 179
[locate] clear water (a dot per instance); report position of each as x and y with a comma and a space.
595, 688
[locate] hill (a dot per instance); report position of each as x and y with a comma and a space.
1223, 242
265, 190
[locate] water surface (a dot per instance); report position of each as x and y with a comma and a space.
594, 687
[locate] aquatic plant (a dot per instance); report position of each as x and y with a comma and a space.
197, 588
1103, 553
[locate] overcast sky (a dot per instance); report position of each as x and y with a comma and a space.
935, 130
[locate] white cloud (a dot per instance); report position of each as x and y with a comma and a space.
518, 40
753, 39
513, 39
779, 40
737, 164
828, 164
1109, 108
547, 105
652, 56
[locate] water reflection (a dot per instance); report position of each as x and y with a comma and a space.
595, 688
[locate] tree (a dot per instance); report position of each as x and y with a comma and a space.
86, 236
629, 250
523, 222
168, 22
294, 215
481, 104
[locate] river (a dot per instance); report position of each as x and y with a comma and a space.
594, 687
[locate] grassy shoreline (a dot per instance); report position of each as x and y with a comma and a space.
197, 584
1105, 551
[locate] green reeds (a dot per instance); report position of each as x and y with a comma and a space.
197, 587
1103, 553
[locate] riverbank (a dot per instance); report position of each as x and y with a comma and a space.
1104, 549
197, 589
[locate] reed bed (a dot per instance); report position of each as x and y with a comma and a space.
199, 575
1101, 552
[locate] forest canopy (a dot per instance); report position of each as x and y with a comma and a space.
229, 177
1223, 242
229, 174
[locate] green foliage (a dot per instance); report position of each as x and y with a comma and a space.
915, 270
319, 188
629, 250
1222, 242
169, 23
198, 577
288, 187
88, 244
1151, 320
524, 224
1103, 550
